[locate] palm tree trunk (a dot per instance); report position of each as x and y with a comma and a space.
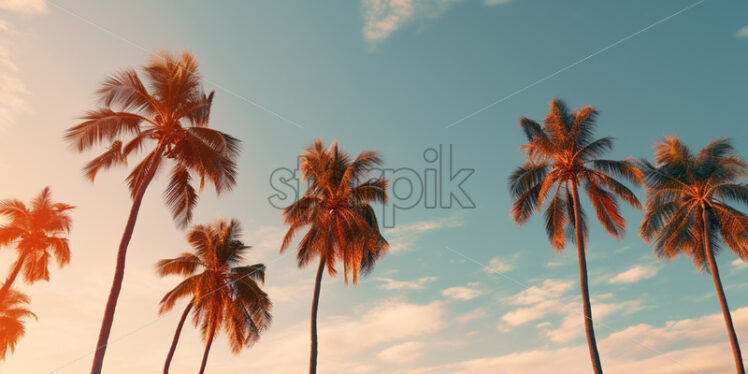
581, 250
207, 349
12, 276
722, 299
119, 272
173, 347
315, 306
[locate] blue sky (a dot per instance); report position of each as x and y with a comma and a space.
397, 76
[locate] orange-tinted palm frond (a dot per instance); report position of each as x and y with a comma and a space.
335, 210
113, 156
180, 196
224, 292
169, 109
560, 152
38, 233
103, 124
683, 189
13, 313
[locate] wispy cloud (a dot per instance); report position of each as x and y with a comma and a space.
739, 263
553, 299
471, 316
461, 293
392, 284
403, 237
403, 352
383, 17
634, 274
742, 33
498, 265
13, 92
25, 6
683, 346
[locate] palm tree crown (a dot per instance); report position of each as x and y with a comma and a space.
171, 110
12, 313
688, 210
38, 233
225, 293
336, 209
683, 188
563, 152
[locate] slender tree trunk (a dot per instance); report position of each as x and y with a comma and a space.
315, 305
581, 250
119, 272
12, 276
722, 299
173, 347
207, 349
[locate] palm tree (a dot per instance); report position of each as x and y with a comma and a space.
561, 156
12, 313
222, 292
38, 233
170, 117
688, 209
341, 223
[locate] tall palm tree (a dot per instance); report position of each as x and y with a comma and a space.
222, 291
562, 155
341, 223
168, 115
688, 209
38, 233
12, 312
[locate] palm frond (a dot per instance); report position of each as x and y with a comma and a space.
103, 124
113, 156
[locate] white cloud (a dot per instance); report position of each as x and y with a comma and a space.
25, 6
470, 316
378, 329
553, 298
497, 265
634, 274
739, 263
403, 237
742, 33
554, 264
700, 346
386, 322
12, 90
572, 325
403, 352
266, 241
392, 284
461, 293
383, 17
12, 93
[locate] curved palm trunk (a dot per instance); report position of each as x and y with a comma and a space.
173, 347
315, 306
119, 273
13, 275
588, 327
207, 349
722, 299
